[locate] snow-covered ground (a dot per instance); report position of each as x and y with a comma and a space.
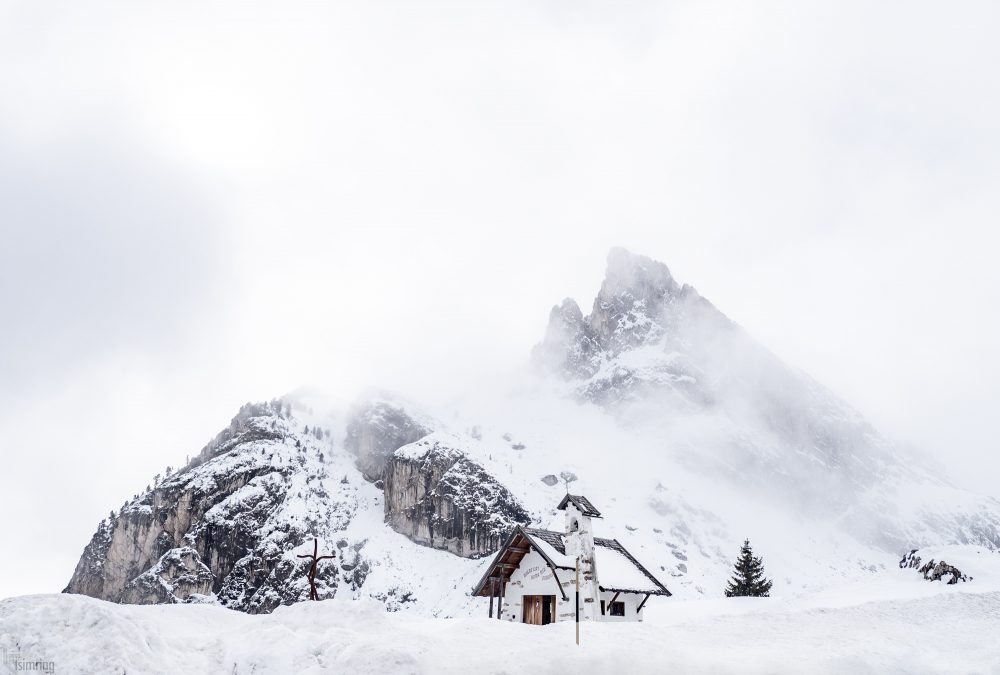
892, 622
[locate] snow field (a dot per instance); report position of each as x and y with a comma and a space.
937, 629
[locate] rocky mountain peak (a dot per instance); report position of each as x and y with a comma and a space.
637, 275
630, 310
560, 350
654, 350
567, 312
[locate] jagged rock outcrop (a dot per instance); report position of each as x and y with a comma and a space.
933, 571
642, 312
376, 429
228, 524
437, 496
567, 347
178, 575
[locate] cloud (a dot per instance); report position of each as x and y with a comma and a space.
105, 251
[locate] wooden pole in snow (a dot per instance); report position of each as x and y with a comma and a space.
578, 600
500, 596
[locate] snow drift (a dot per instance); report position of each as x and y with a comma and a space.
926, 628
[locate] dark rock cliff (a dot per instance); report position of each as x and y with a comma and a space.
376, 429
437, 496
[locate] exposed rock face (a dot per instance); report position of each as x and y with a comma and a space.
567, 347
178, 575
933, 571
437, 496
632, 302
376, 429
228, 527
228, 524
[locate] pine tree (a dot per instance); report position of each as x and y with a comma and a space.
748, 576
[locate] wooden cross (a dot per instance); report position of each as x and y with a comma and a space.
313, 595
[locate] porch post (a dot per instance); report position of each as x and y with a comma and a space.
500, 596
493, 591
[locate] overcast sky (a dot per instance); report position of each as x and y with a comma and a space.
202, 205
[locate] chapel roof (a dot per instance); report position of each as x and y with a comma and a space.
580, 502
617, 569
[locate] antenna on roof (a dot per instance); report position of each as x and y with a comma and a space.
568, 477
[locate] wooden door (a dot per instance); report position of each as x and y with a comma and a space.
539, 609
533, 609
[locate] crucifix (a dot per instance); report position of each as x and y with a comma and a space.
313, 595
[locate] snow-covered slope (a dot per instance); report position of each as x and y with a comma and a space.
683, 431
896, 622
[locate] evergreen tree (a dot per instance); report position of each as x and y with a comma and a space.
748, 576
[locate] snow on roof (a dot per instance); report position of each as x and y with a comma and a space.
617, 570
551, 545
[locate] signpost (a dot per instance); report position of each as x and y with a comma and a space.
578, 600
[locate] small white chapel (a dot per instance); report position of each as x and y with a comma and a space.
533, 578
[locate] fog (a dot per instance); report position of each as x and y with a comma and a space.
203, 205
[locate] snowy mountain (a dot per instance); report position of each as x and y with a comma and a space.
686, 434
229, 527
666, 361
